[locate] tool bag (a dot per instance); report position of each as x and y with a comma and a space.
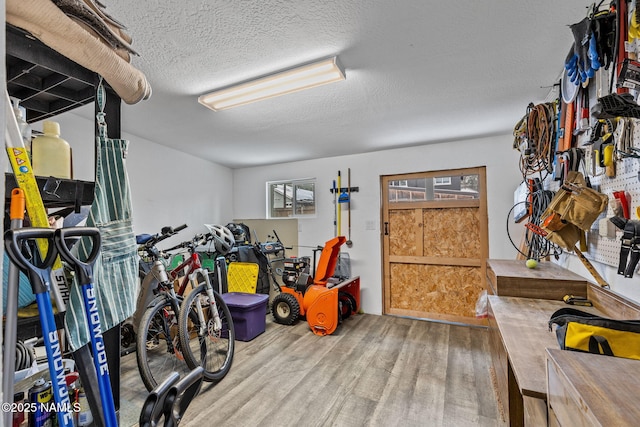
572, 211
589, 333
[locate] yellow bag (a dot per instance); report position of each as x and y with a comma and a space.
580, 331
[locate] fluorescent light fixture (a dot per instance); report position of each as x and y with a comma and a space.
289, 81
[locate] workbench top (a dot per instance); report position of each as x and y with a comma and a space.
523, 324
597, 390
547, 281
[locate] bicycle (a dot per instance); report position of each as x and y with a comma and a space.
201, 337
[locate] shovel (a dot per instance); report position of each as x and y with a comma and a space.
40, 277
84, 274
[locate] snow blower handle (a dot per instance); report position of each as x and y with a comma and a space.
84, 269
39, 275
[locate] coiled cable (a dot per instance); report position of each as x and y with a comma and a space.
537, 246
539, 133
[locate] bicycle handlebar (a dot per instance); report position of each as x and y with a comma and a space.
197, 240
164, 234
150, 245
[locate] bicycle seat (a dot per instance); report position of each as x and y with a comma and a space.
141, 239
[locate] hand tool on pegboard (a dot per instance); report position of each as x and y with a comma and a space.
568, 126
26, 180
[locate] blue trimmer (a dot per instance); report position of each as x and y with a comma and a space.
84, 275
39, 273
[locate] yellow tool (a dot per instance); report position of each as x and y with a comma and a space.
574, 300
21, 166
608, 160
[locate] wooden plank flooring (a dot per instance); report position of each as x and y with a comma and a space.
373, 371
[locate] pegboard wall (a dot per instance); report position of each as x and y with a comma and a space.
606, 250
587, 119
603, 249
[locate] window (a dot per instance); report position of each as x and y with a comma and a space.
450, 187
442, 180
283, 204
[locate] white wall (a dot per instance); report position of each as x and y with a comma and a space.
493, 152
168, 187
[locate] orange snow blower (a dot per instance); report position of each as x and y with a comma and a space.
324, 303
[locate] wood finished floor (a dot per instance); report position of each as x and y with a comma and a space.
373, 371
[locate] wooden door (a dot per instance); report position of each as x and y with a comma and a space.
435, 244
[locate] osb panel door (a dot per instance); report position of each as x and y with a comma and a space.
435, 242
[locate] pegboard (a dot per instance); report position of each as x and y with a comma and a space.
606, 250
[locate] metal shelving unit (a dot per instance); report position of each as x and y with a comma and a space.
48, 84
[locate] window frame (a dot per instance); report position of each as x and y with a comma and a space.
446, 180
294, 183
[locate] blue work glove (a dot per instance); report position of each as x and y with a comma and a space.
571, 65
585, 52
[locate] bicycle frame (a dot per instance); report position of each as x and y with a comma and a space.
212, 306
159, 275
193, 263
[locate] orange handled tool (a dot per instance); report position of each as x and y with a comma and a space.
18, 203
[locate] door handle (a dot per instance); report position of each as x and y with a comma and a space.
386, 228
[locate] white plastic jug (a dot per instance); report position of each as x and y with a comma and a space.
51, 155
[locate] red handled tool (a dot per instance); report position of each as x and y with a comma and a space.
621, 196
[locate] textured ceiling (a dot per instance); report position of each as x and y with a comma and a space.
418, 71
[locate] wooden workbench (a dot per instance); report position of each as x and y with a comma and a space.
592, 390
511, 278
519, 335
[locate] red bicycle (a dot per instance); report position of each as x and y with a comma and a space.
191, 325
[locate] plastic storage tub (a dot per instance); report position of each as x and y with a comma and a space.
248, 312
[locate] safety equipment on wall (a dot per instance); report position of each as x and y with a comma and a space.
582, 60
604, 29
630, 248
223, 239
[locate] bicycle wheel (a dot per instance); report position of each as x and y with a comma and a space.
158, 350
204, 344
